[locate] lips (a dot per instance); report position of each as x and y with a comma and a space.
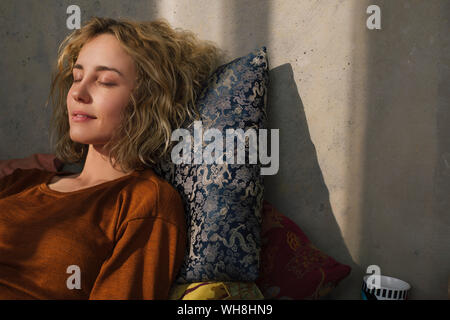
82, 114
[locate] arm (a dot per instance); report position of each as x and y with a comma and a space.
41, 161
144, 262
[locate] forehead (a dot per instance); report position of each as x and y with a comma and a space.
105, 49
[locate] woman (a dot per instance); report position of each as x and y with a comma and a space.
115, 230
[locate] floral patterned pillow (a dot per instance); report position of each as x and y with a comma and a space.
223, 201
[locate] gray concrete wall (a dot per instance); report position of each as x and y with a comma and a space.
363, 115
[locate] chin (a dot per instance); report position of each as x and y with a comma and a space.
85, 140
78, 139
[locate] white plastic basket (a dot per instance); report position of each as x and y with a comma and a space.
390, 289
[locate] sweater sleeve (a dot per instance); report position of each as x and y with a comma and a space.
144, 262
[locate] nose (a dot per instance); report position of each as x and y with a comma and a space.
80, 93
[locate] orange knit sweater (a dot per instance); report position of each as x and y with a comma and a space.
122, 239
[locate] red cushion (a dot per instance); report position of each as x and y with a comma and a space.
42, 161
291, 267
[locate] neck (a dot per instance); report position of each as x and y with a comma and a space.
97, 167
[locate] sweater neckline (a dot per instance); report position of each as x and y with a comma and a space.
46, 189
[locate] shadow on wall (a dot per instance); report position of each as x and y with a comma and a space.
406, 167
298, 190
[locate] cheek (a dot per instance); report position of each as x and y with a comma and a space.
111, 105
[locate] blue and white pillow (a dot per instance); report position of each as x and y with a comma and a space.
223, 201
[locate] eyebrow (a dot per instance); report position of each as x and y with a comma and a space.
99, 68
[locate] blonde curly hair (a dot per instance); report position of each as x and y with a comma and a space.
173, 66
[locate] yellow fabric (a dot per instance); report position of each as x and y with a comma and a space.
214, 290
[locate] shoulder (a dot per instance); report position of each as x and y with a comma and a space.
151, 196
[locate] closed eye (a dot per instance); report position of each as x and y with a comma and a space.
107, 84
